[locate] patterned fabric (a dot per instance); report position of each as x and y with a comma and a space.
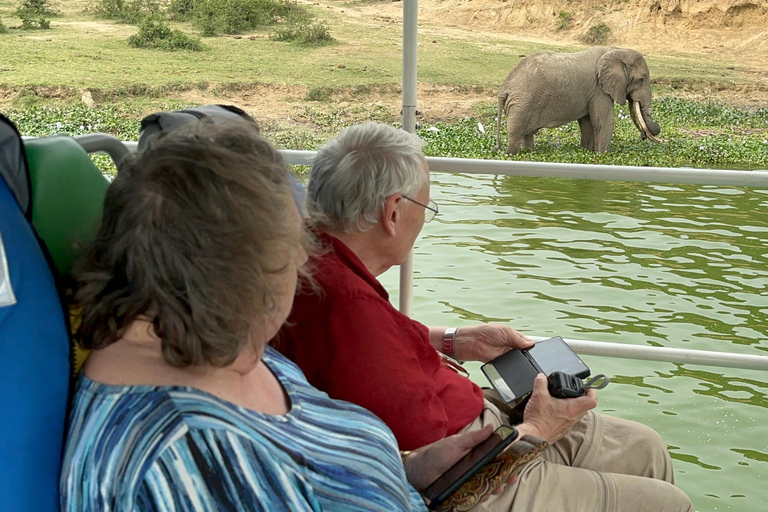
494, 474
167, 448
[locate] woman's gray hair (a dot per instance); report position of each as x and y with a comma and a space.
354, 173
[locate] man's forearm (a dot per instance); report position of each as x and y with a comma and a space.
436, 337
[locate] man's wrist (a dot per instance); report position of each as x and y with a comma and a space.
449, 341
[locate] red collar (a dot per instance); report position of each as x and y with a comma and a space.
348, 257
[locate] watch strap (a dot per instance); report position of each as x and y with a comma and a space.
449, 338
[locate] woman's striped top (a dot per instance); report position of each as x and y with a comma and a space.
167, 448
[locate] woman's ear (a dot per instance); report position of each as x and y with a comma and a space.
390, 215
612, 75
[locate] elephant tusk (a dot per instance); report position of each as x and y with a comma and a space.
633, 114
637, 117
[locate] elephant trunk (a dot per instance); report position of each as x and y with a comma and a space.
647, 126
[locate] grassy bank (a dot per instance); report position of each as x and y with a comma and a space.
303, 95
696, 134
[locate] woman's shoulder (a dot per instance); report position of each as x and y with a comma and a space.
128, 440
131, 422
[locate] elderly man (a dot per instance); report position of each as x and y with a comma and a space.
369, 189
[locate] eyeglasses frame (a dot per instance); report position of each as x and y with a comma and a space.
434, 209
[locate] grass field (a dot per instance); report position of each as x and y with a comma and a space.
302, 95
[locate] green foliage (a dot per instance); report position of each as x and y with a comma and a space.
154, 33
39, 120
304, 32
706, 135
33, 14
181, 10
564, 19
127, 11
3, 28
319, 94
37, 7
597, 34
236, 16
692, 114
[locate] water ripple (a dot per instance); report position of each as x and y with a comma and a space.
674, 266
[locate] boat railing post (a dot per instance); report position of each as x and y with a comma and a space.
410, 51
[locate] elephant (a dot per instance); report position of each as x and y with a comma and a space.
549, 89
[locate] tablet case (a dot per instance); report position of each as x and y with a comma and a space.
512, 373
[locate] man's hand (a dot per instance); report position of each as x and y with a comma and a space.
425, 465
487, 341
552, 418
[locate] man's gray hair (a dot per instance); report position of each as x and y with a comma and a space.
354, 173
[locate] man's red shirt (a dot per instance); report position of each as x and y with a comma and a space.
353, 344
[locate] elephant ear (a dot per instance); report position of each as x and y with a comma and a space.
613, 75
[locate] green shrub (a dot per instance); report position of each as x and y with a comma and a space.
319, 94
307, 33
154, 33
37, 7
597, 34
237, 16
564, 19
181, 10
33, 14
30, 22
3, 28
127, 11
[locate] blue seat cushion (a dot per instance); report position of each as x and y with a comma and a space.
34, 371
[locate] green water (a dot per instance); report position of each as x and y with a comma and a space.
672, 266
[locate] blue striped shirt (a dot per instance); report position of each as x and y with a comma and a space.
174, 448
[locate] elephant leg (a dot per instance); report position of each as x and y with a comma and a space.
528, 141
587, 133
515, 134
513, 147
601, 116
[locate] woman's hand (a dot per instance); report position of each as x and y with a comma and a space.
487, 341
551, 418
425, 465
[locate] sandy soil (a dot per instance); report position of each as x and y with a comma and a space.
733, 30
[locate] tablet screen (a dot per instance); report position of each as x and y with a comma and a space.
554, 355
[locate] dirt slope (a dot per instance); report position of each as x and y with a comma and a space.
739, 27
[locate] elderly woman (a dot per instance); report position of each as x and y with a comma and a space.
181, 404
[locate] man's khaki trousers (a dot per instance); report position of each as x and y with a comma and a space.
604, 464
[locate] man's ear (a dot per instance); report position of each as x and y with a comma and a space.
390, 215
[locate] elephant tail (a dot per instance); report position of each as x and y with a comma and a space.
502, 101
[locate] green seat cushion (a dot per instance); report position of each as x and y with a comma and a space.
67, 196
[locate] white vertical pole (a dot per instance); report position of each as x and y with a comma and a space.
410, 51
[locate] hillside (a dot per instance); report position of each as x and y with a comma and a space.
734, 31
738, 26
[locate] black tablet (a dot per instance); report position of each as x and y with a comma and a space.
512, 373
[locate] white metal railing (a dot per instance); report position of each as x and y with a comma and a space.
594, 172
578, 171
600, 172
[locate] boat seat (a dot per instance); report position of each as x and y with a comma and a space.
67, 192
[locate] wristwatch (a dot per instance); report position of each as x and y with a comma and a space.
449, 336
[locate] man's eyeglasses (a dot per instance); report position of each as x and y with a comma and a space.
431, 208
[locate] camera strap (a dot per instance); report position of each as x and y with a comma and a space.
590, 384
